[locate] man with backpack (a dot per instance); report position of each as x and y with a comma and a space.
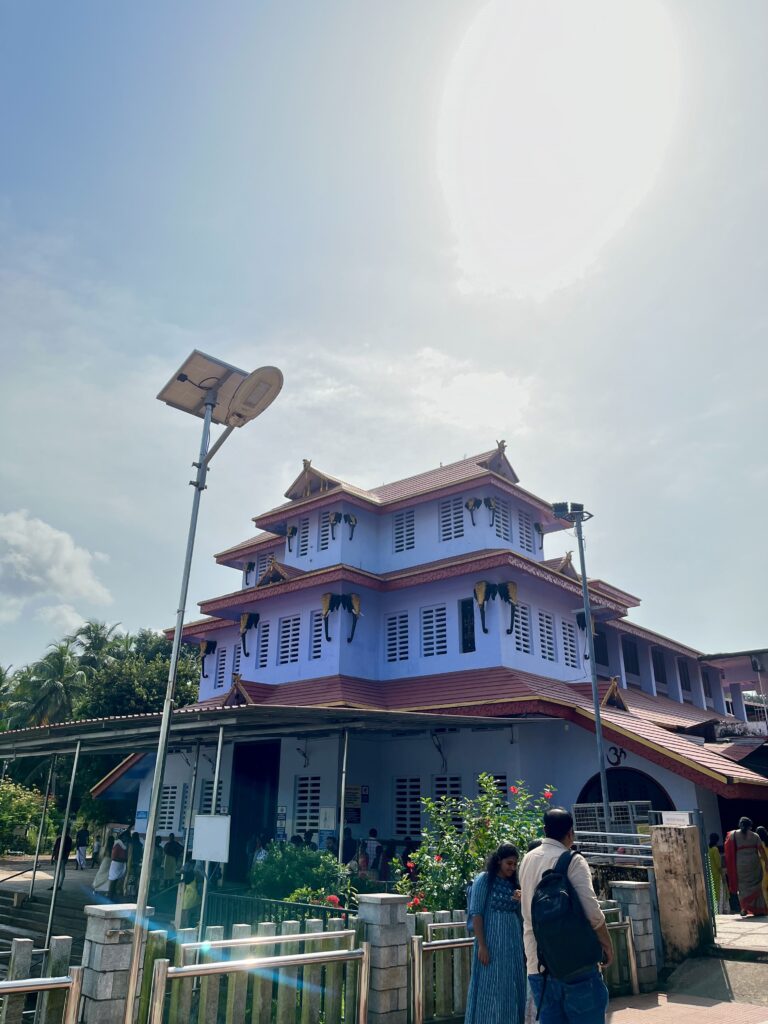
564, 929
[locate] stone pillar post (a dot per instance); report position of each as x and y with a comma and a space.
683, 906
634, 899
106, 957
386, 928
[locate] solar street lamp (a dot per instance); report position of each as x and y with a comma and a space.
218, 393
574, 512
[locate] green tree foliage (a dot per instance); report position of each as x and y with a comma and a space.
20, 810
288, 868
460, 835
48, 691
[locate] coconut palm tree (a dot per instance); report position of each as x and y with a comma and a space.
96, 644
48, 690
7, 686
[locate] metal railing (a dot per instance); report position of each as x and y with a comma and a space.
73, 982
163, 972
611, 847
418, 948
226, 909
270, 940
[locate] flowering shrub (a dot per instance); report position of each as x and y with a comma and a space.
459, 836
288, 869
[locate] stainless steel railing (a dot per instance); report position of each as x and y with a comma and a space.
347, 934
163, 972
418, 947
73, 982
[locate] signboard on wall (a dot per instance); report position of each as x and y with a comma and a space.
327, 820
675, 818
353, 799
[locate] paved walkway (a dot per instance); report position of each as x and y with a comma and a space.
661, 1009
736, 932
75, 882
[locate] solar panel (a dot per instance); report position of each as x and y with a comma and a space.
199, 373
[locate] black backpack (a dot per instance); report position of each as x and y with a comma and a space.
566, 941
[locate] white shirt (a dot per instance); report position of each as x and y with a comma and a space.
533, 866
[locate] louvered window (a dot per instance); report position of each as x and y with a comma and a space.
523, 638
434, 636
288, 640
408, 806
166, 815
307, 807
685, 676
404, 530
503, 520
261, 563
570, 645
183, 807
221, 667
324, 531
316, 635
236, 656
262, 645
450, 786
659, 666
206, 793
397, 637
547, 636
302, 540
451, 519
500, 781
525, 526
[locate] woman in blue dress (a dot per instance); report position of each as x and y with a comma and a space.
497, 988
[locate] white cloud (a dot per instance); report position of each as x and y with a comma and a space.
63, 617
39, 561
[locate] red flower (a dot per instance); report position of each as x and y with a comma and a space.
415, 902
410, 865
513, 789
547, 794
333, 900
438, 858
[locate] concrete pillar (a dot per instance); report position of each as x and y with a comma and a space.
737, 698
683, 908
616, 656
674, 690
106, 957
647, 681
634, 899
718, 697
697, 685
384, 916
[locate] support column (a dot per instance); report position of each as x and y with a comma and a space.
716, 683
386, 929
674, 690
697, 685
647, 681
737, 698
616, 656
106, 960
683, 906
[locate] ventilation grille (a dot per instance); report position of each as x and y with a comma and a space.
236, 657
316, 635
451, 519
503, 520
408, 806
166, 815
523, 639
397, 637
324, 533
262, 646
404, 530
261, 564
288, 640
547, 636
525, 524
302, 547
221, 667
307, 816
450, 786
206, 793
570, 646
434, 633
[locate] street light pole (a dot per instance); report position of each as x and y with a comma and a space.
576, 514
140, 927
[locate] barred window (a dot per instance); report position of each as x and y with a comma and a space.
307, 805
408, 806
450, 786
434, 632
206, 794
397, 637
404, 530
166, 815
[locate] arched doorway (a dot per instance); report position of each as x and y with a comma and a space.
626, 784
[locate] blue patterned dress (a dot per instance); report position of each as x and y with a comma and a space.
497, 993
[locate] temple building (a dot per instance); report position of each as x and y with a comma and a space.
418, 633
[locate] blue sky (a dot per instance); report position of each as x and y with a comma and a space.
261, 181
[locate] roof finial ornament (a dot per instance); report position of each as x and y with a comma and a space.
502, 446
307, 464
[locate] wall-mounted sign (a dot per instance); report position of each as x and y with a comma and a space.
365, 794
353, 796
675, 818
141, 815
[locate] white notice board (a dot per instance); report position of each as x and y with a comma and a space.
211, 841
675, 818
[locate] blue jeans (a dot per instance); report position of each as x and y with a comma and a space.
571, 1002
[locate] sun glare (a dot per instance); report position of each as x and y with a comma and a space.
555, 119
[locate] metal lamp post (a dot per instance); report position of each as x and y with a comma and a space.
219, 393
575, 513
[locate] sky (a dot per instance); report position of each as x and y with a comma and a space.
448, 221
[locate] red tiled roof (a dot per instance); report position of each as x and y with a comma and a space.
245, 547
433, 479
660, 710
736, 750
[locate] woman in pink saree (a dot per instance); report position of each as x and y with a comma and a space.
746, 861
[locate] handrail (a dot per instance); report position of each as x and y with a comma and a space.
73, 982
620, 835
35, 952
441, 926
163, 972
269, 940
